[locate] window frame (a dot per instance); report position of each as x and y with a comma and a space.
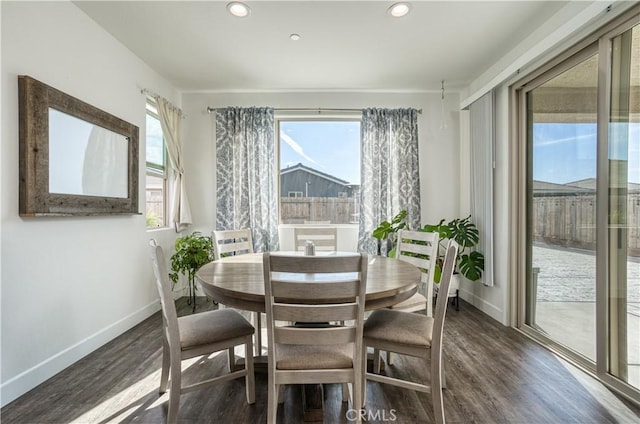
153, 170
308, 116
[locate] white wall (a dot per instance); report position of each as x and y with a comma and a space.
439, 173
68, 284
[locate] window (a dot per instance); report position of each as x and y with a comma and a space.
319, 170
156, 182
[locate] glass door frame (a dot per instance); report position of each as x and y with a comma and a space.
599, 42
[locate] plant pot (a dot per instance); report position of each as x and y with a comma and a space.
385, 247
454, 286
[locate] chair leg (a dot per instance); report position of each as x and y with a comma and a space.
444, 376
436, 388
357, 398
363, 377
250, 379
281, 393
272, 401
164, 376
345, 392
174, 392
388, 359
376, 361
257, 323
231, 359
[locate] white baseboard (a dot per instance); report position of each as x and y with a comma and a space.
488, 308
27, 380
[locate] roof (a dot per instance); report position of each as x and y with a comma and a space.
586, 185
310, 170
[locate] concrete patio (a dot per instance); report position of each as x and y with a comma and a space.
566, 308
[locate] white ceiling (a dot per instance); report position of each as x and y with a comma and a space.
345, 45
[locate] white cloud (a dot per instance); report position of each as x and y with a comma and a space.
551, 142
296, 147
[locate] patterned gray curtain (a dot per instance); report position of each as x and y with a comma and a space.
245, 173
390, 176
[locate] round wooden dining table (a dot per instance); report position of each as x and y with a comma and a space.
238, 281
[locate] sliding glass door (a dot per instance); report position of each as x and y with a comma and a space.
579, 129
623, 290
561, 128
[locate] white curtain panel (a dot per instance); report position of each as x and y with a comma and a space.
390, 172
171, 122
246, 195
482, 122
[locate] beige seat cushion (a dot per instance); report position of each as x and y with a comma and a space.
212, 327
403, 328
416, 302
299, 357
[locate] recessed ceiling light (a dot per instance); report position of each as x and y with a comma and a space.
295, 37
238, 9
398, 10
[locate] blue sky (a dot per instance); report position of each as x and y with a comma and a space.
564, 153
332, 147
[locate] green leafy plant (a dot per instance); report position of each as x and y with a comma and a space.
191, 252
385, 230
153, 220
465, 233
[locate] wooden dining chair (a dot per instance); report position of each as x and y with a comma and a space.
418, 248
312, 351
415, 335
196, 335
324, 238
233, 243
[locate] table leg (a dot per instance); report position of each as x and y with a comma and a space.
313, 402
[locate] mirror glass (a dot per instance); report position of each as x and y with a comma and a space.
86, 159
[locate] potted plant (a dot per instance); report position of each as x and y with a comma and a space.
470, 264
191, 252
385, 232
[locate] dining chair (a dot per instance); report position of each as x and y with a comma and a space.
233, 243
197, 335
324, 238
313, 351
418, 248
414, 335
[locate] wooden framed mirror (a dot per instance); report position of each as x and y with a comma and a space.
75, 159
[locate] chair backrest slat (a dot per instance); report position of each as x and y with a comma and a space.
313, 264
232, 242
315, 336
325, 239
314, 313
344, 289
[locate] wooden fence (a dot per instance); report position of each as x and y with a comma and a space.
569, 220
330, 210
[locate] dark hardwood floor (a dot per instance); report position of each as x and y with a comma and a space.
494, 375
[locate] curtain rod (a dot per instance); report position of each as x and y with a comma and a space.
305, 109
